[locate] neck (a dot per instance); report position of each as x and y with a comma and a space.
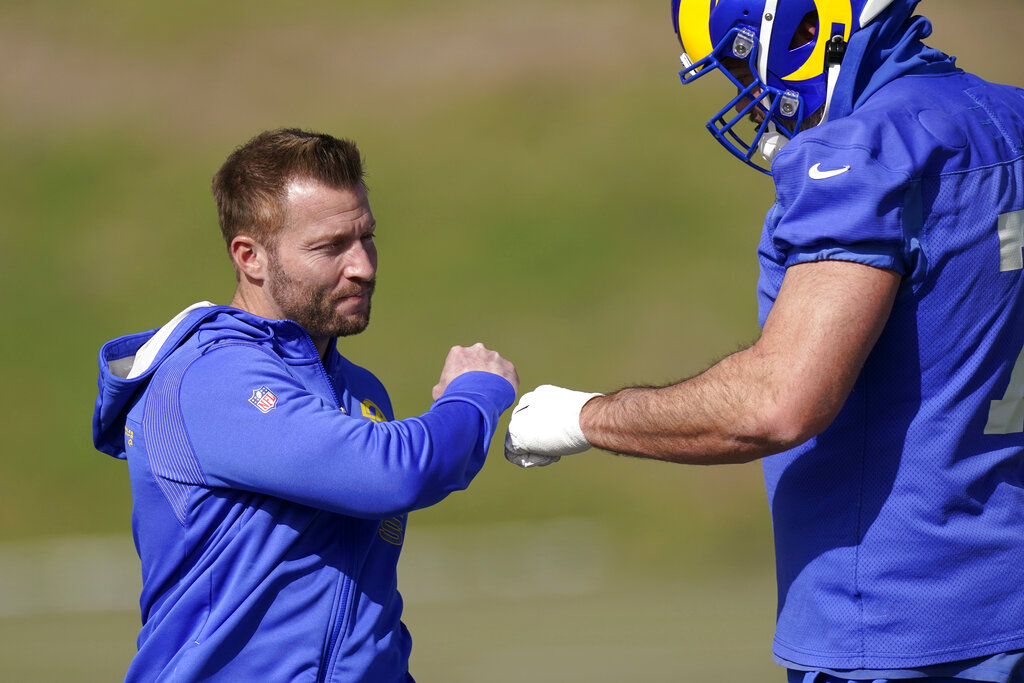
321, 346
256, 305
251, 300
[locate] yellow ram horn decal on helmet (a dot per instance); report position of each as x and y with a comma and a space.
694, 19
830, 12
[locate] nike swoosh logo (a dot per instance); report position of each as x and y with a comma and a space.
817, 174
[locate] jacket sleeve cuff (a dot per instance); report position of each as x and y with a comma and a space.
491, 394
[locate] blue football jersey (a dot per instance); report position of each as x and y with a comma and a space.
899, 530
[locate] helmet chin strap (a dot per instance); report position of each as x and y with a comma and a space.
833, 78
834, 53
770, 142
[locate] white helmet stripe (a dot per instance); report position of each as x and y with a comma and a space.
871, 10
767, 21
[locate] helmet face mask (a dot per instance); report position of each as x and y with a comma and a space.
771, 110
782, 56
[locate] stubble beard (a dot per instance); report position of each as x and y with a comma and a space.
315, 308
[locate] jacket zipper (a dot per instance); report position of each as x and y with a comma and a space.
328, 662
337, 628
323, 370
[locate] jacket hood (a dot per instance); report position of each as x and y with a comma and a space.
127, 363
882, 51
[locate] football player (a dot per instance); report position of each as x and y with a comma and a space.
885, 393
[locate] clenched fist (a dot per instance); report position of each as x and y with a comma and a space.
463, 359
545, 426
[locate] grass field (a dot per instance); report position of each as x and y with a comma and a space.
548, 601
541, 183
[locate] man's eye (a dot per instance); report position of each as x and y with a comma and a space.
331, 247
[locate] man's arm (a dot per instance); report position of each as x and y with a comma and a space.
774, 395
307, 451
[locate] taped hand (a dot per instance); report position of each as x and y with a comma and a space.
545, 425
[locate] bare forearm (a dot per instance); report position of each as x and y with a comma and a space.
778, 393
720, 416
783, 390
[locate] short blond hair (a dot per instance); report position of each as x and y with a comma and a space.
250, 188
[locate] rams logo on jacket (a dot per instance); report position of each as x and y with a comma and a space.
372, 411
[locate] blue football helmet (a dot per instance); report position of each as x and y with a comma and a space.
783, 57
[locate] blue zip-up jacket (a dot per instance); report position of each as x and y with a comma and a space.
270, 495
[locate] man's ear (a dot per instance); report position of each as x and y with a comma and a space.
250, 258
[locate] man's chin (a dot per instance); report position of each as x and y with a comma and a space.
351, 325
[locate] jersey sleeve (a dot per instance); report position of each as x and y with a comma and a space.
297, 446
839, 202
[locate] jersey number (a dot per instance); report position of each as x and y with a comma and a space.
1006, 416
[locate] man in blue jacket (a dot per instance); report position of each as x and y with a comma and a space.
270, 483
886, 391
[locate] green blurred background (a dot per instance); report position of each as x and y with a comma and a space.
541, 183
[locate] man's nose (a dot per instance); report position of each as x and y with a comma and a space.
361, 262
755, 95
